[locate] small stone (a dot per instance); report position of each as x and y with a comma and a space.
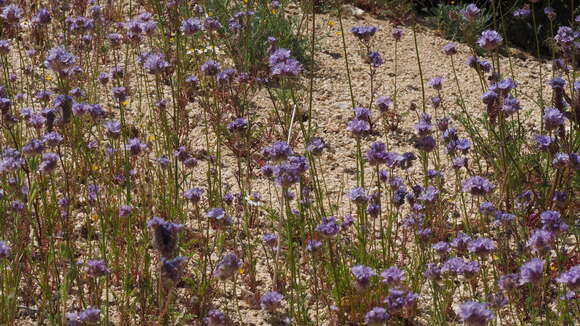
350, 10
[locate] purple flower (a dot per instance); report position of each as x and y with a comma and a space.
553, 118
59, 60
511, 105
125, 210
279, 151
489, 40
4, 47
227, 267
226, 77
397, 33
457, 266
432, 272
571, 278
393, 276
508, 282
216, 318
376, 317
364, 33
358, 127
313, 245
42, 17
375, 59
383, 103
442, 248
481, 246
328, 228
560, 64
211, 24
471, 13
97, 268
523, 12
425, 143
552, 222
557, 83
449, 49
532, 271
474, 313
270, 301
288, 173
540, 241
113, 128
172, 269
376, 155
316, 146
565, 38
211, 68
561, 160
11, 14
191, 26
549, 11
90, 315
362, 275
477, 186
238, 125
270, 239
120, 93
49, 162
281, 64
543, 142
400, 299
193, 195
72, 319
5, 249
358, 195
436, 83
429, 195
164, 235
135, 146
153, 63
218, 218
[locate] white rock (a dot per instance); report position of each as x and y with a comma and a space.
350, 10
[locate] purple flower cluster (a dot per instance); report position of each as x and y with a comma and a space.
282, 64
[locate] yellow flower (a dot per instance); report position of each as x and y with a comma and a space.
95, 217
339, 33
331, 23
125, 103
241, 271
151, 138
95, 167
274, 11
48, 77
246, 1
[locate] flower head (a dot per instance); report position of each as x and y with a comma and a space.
571, 278
227, 267
364, 33
164, 235
532, 271
393, 276
376, 317
97, 268
270, 301
490, 40
362, 276
477, 186
475, 313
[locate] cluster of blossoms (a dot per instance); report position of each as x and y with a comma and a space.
282, 64
288, 167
